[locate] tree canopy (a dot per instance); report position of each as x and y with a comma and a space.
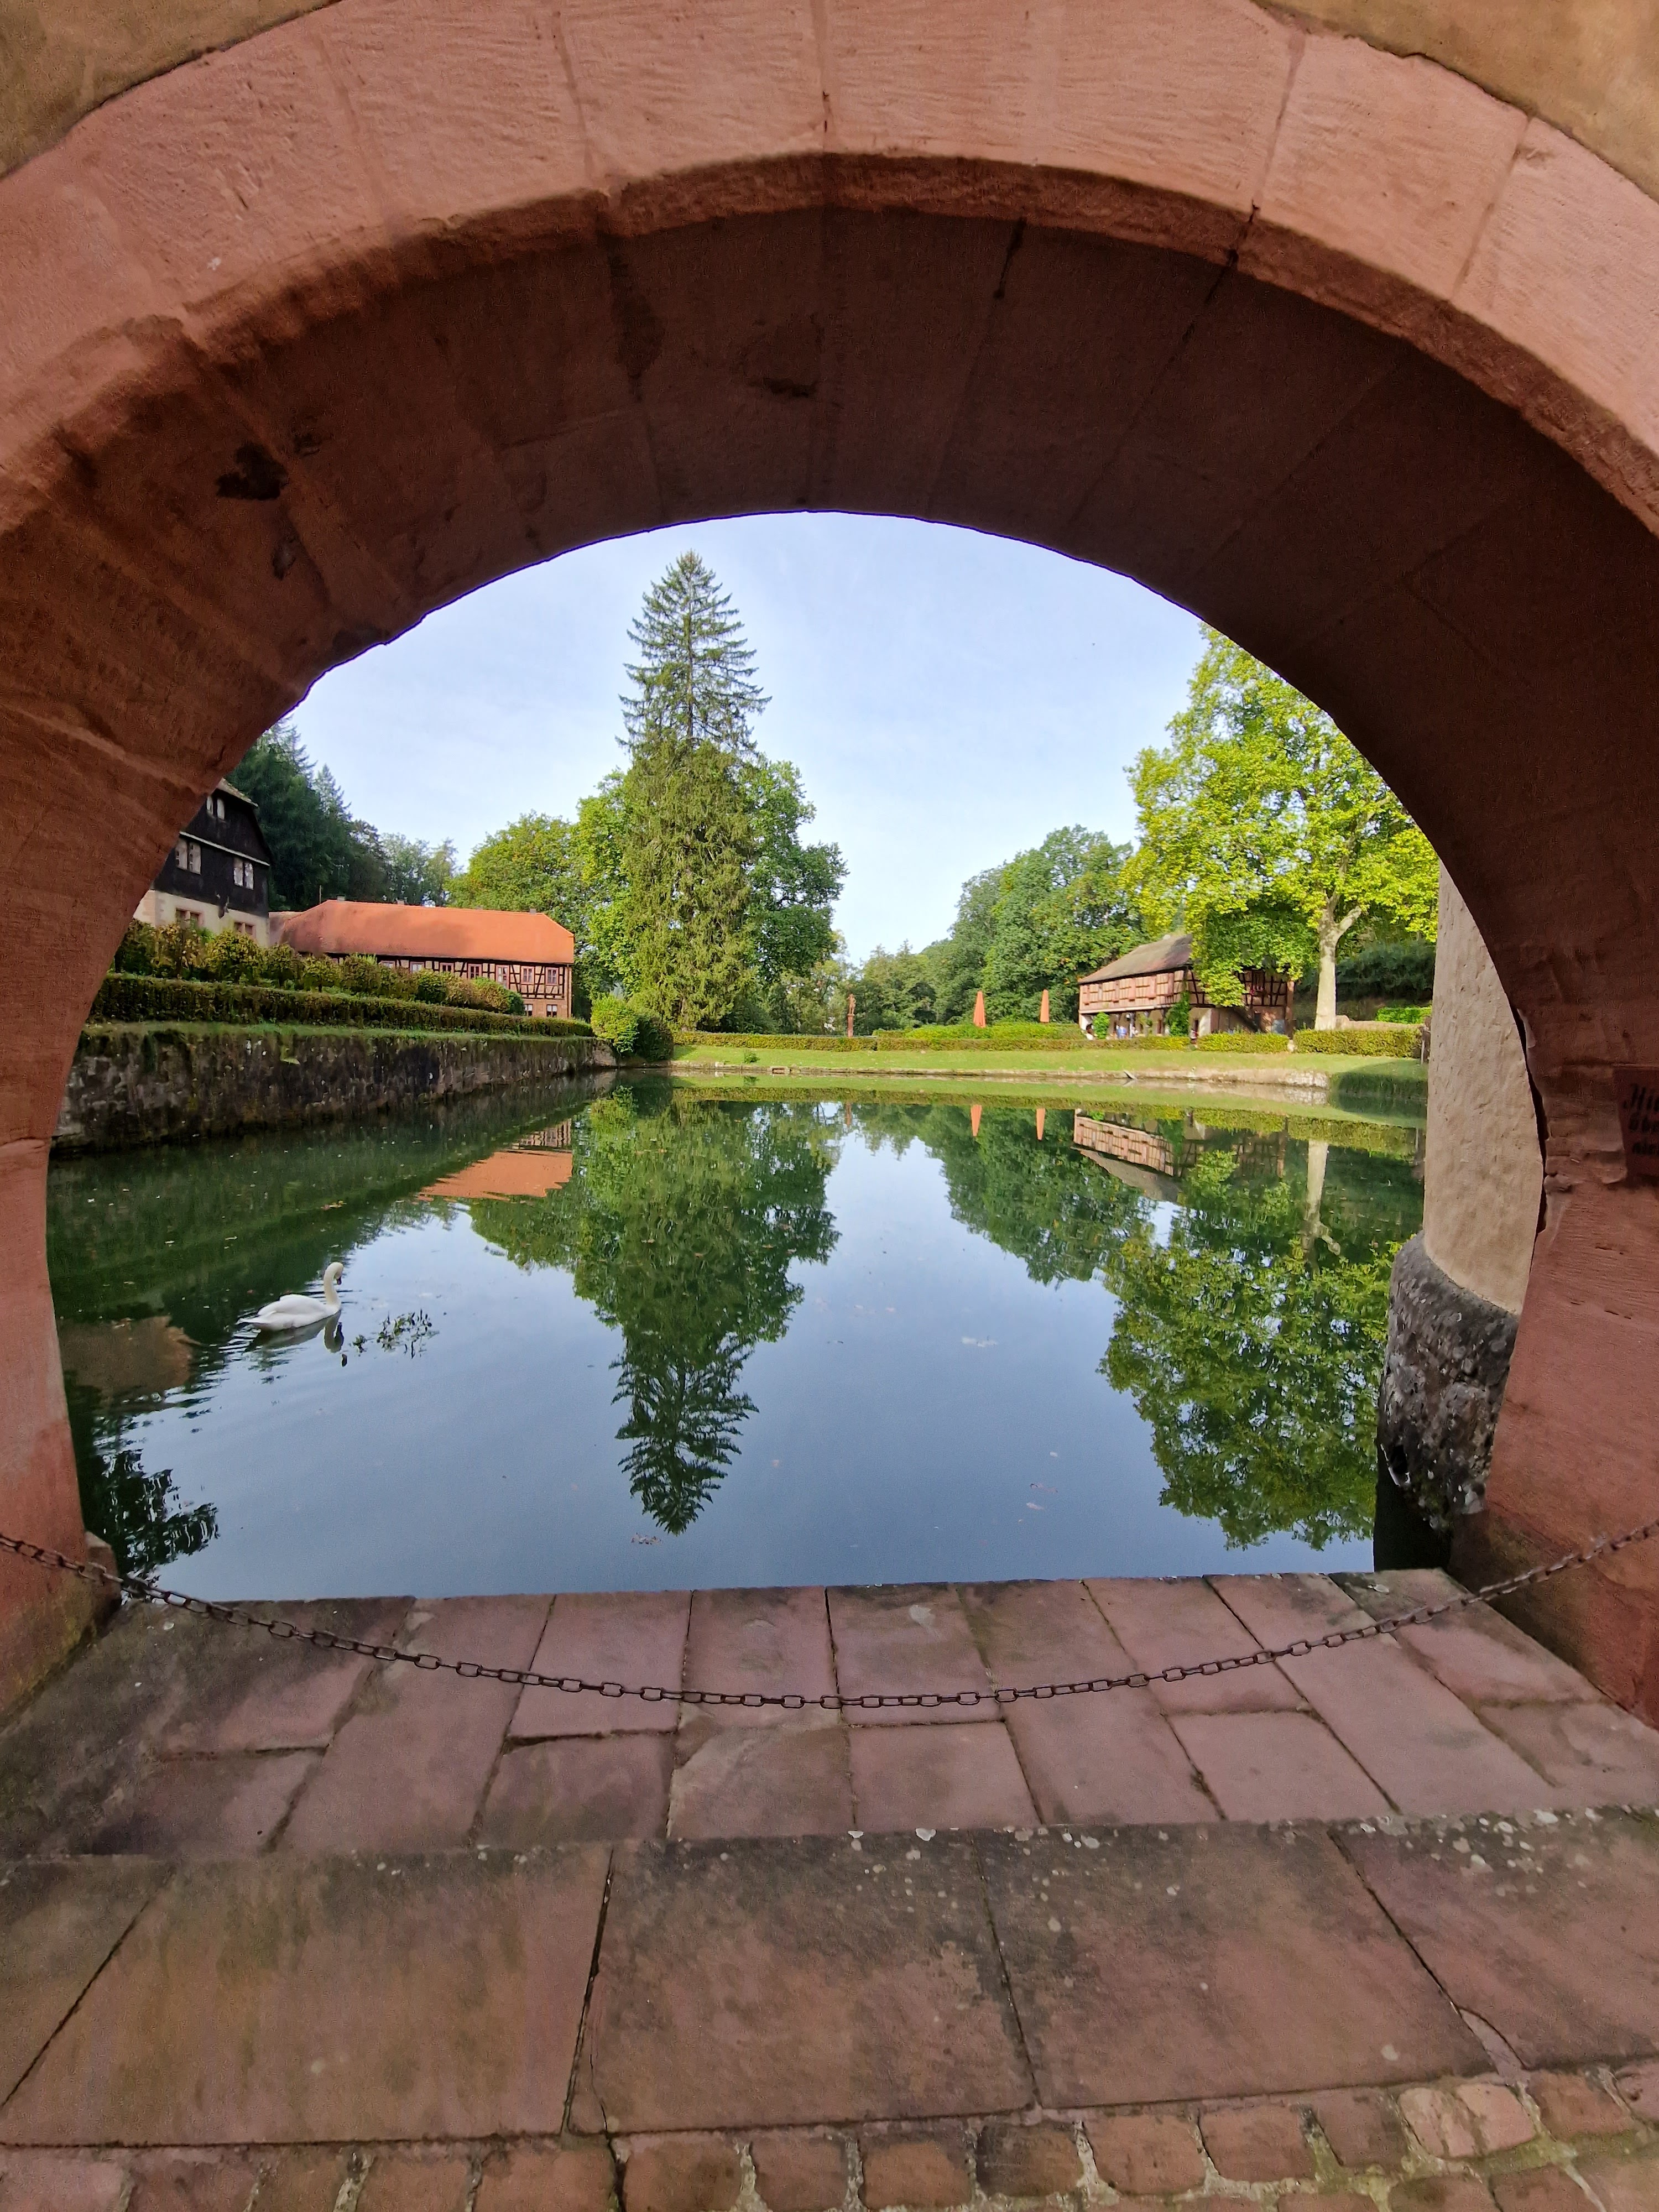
318, 849
1265, 833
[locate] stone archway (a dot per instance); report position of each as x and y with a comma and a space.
1350, 353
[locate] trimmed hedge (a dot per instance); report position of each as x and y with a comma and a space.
1243, 1041
1396, 1042
1001, 1037
126, 998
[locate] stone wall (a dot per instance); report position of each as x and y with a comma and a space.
1454, 1299
137, 1085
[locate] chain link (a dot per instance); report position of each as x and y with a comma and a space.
389, 1654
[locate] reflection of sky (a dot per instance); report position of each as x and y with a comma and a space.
931, 1414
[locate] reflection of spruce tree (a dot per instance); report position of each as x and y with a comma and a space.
1253, 1352
679, 1224
139, 1516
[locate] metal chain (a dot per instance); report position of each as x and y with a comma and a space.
388, 1654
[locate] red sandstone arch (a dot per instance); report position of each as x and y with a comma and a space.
304, 338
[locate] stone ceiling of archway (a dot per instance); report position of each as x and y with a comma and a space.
1590, 67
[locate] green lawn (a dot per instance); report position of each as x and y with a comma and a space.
1237, 1067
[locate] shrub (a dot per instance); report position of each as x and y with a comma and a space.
1243, 1041
1396, 1042
633, 1034
1387, 971
125, 997
1417, 1014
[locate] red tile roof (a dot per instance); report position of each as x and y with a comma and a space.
426, 933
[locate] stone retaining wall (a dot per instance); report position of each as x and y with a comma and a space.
143, 1084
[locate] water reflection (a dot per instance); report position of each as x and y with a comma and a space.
680, 1224
1229, 1375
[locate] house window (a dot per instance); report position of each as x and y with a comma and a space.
243, 928
195, 856
181, 852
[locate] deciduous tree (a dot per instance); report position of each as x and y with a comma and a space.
1265, 833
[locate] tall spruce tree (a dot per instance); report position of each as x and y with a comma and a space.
688, 838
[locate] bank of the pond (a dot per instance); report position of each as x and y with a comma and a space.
150, 1083
1364, 1083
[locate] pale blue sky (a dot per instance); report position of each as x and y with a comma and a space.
948, 698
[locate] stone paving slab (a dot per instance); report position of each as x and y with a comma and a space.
1109, 1758
783, 1983
904, 1639
1549, 1933
1241, 1961
1183, 1624
632, 1636
171, 1737
1417, 1740
407, 1769
58, 1924
315, 2000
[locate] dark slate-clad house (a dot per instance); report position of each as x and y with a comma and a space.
218, 874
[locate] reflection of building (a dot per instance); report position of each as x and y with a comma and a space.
1145, 1148
531, 953
1133, 996
530, 1168
217, 876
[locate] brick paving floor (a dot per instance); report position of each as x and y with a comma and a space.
281, 1929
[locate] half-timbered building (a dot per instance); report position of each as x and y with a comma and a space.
217, 876
1133, 996
531, 953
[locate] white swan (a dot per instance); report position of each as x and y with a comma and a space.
299, 1310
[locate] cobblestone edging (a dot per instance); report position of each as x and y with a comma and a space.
144, 1083
1585, 2140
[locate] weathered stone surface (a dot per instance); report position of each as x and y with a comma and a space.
902, 1639
759, 1640
75, 1762
1538, 2188
1181, 1624
746, 1781
920, 2168
307, 2180
1445, 1371
58, 1926
1109, 1758
633, 1638
963, 1777
170, 1082
685, 2173
1258, 2142
1276, 1766
796, 2170
1016, 2161
1639, 2087
1575, 2105
561, 2177
1565, 1964
1471, 2121
352, 2000
580, 1790
209, 2181
1361, 2127
1479, 1657
407, 1770
895, 1994
1147, 2153
406, 2181
1416, 1741
1624, 2184
1269, 1966
89, 2184
204, 1808
1442, 2192
1590, 1754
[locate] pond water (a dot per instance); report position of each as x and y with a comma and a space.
659, 1337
